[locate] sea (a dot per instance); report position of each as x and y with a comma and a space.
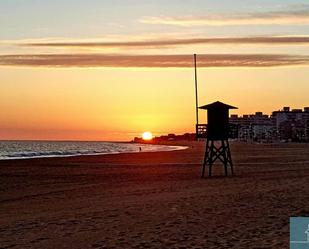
41, 149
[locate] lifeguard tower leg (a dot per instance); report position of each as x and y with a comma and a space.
210, 160
224, 153
230, 157
205, 157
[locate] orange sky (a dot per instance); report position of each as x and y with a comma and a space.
118, 104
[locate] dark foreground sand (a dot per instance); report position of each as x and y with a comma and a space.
154, 200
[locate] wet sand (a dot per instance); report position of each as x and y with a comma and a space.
155, 200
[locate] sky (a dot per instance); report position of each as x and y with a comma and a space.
110, 70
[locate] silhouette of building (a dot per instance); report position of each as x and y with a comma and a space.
292, 124
254, 127
164, 138
283, 125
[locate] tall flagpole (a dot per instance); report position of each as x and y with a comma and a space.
196, 96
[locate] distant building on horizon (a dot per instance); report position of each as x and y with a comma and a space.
292, 124
282, 125
169, 137
254, 127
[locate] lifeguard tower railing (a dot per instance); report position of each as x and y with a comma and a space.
201, 131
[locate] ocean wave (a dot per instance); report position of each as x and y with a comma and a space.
42, 149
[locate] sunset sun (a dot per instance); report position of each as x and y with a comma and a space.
147, 135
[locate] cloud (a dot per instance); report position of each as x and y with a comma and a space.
298, 15
167, 43
158, 61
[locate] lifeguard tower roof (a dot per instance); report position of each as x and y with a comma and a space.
217, 105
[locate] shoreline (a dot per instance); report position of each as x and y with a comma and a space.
165, 147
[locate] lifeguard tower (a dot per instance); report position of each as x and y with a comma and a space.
216, 132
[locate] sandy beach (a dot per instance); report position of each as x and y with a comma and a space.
155, 200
